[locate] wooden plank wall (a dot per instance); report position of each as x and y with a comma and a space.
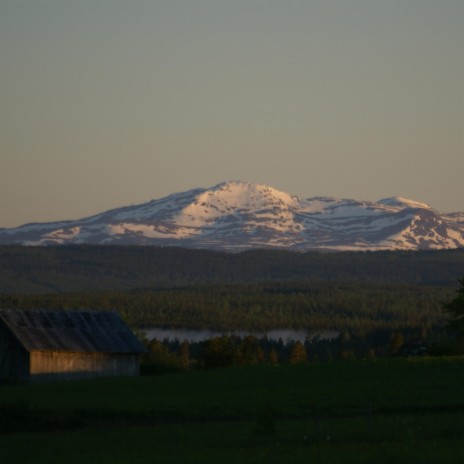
51, 365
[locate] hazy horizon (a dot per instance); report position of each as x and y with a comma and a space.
112, 103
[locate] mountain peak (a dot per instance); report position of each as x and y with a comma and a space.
238, 192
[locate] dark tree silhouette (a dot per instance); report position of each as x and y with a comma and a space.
455, 309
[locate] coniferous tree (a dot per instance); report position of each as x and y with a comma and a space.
298, 353
184, 354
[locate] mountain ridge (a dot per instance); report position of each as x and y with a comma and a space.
237, 215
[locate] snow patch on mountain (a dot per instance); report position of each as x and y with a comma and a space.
403, 203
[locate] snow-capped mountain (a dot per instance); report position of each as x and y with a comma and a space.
236, 216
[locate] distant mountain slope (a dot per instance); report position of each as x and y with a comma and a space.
236, 216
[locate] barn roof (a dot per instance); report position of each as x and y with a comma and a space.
71, 331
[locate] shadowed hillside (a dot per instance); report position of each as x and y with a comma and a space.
86, 268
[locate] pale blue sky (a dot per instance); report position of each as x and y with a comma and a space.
108, 103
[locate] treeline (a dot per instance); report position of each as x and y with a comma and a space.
232, 350
33, 270
258, 307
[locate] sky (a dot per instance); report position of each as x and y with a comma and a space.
107, 103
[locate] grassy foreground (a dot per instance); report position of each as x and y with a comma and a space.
388, 410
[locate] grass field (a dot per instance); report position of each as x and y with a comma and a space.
382, 411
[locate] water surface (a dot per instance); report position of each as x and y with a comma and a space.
286, 335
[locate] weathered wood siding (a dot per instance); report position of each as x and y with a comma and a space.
52, 365
14, 359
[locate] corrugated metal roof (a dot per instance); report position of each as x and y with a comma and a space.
72, 331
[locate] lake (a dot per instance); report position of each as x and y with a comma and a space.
287, 335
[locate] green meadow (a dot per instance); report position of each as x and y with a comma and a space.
379, 411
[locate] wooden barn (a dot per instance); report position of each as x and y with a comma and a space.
38, 346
